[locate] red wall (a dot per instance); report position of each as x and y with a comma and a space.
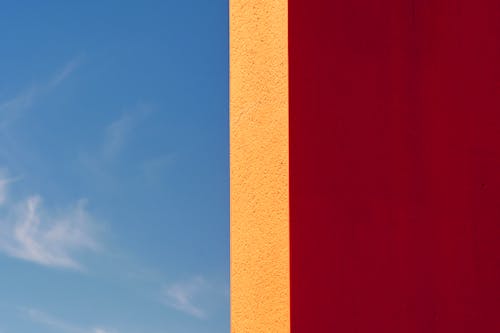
395, 166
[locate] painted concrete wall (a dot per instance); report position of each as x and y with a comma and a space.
394, 166
365, 158
260, 294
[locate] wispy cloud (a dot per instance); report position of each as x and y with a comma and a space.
116, 135
32, 232
182, 296
59, 325
11, 109
5, 181
3, 189
119, 131
100, 161
154, 168
64, 72
50, 321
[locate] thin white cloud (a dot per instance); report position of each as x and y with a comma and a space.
59, 325
118, 132
10, 109
31, 232
64, 72
50, 321
116, 135
4, 184
101, 330
154, 168
3, 190
182, 296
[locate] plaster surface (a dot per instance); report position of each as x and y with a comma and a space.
260, 292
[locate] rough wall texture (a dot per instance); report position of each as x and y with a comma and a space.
260, 297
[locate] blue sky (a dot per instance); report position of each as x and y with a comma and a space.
114, 208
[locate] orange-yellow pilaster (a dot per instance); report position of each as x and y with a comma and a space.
260, 292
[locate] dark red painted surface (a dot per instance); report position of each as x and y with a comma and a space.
395, 166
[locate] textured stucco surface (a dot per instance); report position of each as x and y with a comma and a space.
260, 293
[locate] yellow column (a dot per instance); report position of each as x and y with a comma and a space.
260, 288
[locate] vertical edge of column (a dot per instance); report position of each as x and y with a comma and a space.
260, 274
